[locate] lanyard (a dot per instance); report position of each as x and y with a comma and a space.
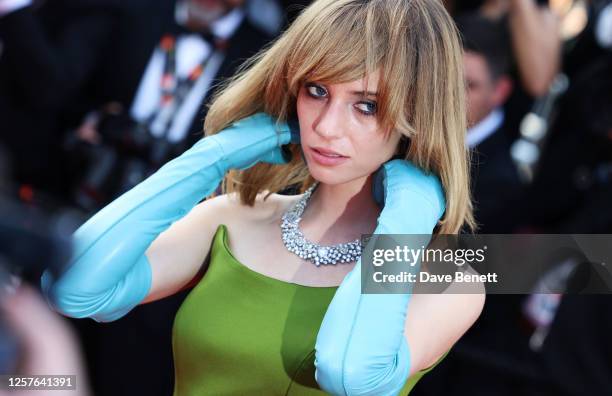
174, 89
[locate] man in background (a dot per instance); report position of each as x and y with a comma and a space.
153, 87
495, 183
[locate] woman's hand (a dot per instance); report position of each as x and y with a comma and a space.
412, 200
257, 138
361, 348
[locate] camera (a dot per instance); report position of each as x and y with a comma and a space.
127, 154
31, 241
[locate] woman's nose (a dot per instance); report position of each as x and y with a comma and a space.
329, 123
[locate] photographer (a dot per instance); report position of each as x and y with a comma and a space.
168, 58
34, 340
572, 191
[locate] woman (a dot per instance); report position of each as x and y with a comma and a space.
376, 87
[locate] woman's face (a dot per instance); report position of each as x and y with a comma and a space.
336, 118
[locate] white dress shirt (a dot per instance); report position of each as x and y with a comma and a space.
191, 50
485, 128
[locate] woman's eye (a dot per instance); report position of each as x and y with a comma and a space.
367, 108
315, 91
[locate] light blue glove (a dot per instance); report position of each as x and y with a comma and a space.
109, 273
361, 348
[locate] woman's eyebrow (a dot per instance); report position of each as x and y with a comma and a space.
360, 93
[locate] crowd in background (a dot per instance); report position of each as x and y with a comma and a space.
95, 95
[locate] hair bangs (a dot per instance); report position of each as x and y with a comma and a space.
317, 54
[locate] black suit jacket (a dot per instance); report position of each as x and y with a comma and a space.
496, 187
48, 57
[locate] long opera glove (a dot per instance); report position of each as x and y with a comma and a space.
361, 348
109, 273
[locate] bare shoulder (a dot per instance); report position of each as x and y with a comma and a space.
266, 208
177, 255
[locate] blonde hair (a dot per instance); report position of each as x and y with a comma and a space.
416, 46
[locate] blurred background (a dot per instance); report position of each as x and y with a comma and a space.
95, 95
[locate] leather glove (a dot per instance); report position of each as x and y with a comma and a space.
109, 273
361, 348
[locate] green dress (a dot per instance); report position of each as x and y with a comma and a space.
240, 332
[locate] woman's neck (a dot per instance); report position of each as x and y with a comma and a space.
340, 212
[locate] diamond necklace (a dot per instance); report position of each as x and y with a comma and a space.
295, 242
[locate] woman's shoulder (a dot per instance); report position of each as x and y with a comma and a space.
266, 208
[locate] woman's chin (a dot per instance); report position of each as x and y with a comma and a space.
323, 175
331, 177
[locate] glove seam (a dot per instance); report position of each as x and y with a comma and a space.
215, 139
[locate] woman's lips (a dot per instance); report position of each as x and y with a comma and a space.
324, 158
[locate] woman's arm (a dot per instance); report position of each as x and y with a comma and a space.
177, 254
537, 44
449, 315
535, 40
109, 273
361, 348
